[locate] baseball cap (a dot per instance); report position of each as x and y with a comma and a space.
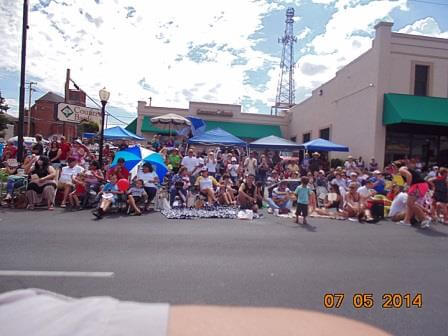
377, 172
353, 174
203, 169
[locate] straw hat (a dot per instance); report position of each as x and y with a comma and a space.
316, 153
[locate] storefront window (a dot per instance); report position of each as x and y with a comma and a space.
443, 152
425, 147
397, 146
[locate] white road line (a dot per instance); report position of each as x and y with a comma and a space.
57, 274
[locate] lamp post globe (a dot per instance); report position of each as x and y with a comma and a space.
104, 97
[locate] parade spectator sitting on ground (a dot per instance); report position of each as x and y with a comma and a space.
379, 183
439, 184
137, 195
10, 151
150, 181
65, 182
281, 201
352, 200
333, 201
303, 194
350, 165
394, 191
366, 192
119, 170
43, 182
226, 191
353, 178
13, 181
54, 154
250, 164
38, 147
65, 150
179, 186
109, 196
397, 209
79, 192
341, 182
206, 184
247, 194
416, 194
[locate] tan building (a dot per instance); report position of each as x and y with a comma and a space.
247, 126
383, 103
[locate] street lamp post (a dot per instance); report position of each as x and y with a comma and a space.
104, 97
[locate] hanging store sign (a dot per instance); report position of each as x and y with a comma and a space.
76, 114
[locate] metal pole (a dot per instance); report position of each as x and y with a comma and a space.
103, 112
22, 83
28, 131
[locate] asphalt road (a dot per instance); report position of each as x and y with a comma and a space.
269, 262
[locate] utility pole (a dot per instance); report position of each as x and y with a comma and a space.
28, 131
22, 84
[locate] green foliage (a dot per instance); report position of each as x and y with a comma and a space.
88, 127
4, 121
334, 163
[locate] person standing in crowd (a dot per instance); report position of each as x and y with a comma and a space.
65, 150
315, 164
263, 169
416, 194
280, 200
360, 164
306, 162
43, 182
211, 163
54, 154
174, 159
190, 161
250, 165
233, 168
373, 165
303, 194
150, 181
293, 167
350, 165
78, 152
434, 172
38, 147
10, 151
66, 178
119, 170
276, 159
247, 194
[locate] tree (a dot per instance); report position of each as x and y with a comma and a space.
3, 105
87, 126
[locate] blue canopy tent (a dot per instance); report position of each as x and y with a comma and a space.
322, 145
120, 133
275, 143
217, 136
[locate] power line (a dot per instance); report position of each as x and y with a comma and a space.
429, 2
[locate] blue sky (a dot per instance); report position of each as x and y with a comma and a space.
202, 50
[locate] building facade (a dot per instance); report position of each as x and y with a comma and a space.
229, 117
389, 103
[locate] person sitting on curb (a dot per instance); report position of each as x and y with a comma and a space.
247, 194
206, 184
281, 199
109, 196
66, 178
137, 195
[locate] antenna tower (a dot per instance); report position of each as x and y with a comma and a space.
285, 98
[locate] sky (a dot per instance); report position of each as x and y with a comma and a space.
177, 51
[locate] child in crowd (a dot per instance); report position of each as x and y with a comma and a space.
79, 191
109, 195
226, 191
303, 193
136, 195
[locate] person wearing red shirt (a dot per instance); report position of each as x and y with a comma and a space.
10, 151
119, 170
65, 150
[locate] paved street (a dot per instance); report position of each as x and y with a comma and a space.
268, 262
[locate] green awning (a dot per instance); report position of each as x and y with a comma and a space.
132, 127
147, 126
401, 108
240, 130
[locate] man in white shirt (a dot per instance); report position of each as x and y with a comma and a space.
397, 210
66, 178
190, 161
250, 164
350, 165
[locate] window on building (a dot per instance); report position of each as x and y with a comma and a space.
421, 80
306, 137
324, 133
294, 139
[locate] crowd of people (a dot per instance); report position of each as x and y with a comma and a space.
69, 175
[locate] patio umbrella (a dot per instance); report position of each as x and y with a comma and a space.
170, 122
136, 155
27, 140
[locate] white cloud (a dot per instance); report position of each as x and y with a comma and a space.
117, 44
13, 106
347, 35
427, 26
304, 33
324, 2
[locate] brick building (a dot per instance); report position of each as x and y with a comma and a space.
44, 115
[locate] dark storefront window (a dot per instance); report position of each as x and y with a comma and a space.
324, 134
421, 80
306, 137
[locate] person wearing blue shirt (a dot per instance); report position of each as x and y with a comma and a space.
109, 196
379, 184
303, 193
